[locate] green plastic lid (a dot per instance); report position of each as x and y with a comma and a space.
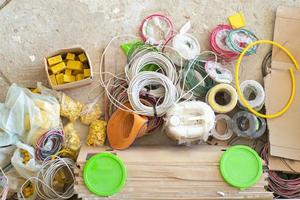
241, 166
104, 174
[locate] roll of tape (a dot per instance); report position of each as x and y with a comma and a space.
227, 94
190, 121
249, 88
226, 132
124, 127
217, 72
246, 124
186, 45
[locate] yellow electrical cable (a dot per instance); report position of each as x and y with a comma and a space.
237, 66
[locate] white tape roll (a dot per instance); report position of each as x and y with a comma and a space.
218, 72
254, 93
226, 131
186, 45
190, 121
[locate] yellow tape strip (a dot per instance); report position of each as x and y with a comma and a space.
237, 66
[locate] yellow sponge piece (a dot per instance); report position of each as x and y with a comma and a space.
79, 77
54, 60
58, 67
237, 20
53, 79
74, 65
87, 73
60, 78
69, 79
82, 57
68, 72
70, 56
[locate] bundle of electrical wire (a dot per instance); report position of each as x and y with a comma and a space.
239, 39
192, 74
55, 180
3, 185
161, 63
120, 94
49, 144
138, 85
282, 184
139, 48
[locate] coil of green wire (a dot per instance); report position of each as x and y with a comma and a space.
190, 78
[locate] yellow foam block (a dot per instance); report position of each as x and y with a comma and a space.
79, 77
68, 72
87, 73
237, 20
54, 60
74, 65
53, 80
69, 79
70, 56
82, 57
60, 78
58, 68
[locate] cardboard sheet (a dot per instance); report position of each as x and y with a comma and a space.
284, 131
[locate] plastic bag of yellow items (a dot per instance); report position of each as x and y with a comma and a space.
97, 133
90, 113
26, 115
71, 141
70, 108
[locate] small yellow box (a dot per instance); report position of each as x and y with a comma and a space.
69, 79
74, 65
60, 78
237, 20
79, 77
70, 56
54, 60
58, 68
53, 79
82, 57
68, 72
87, 73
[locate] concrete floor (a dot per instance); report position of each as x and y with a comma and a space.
31, 29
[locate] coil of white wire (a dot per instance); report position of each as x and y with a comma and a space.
138, 84
139, 62
250, 86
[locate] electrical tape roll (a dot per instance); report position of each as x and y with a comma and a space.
251, 86
218, 73
228, 131
226, 88
246, 124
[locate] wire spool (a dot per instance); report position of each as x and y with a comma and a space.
254, 93
120, 94
163, 63
238, 39
156, 29
138, 49
145, 79
217, 42
222, 129
222, 98
189, 121
218, 72
246, 124
193, 73
49, 144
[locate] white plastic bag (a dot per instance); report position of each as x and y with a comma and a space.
29, 169
27, 115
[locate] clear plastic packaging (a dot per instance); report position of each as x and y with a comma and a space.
91, 112
97, 133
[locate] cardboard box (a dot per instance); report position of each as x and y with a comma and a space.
75, 84
284, 133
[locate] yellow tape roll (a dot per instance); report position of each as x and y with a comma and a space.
211, 98
241, 96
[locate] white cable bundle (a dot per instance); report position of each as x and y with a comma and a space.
45, 179
165, 65
138, 84
251, 86
190, 121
